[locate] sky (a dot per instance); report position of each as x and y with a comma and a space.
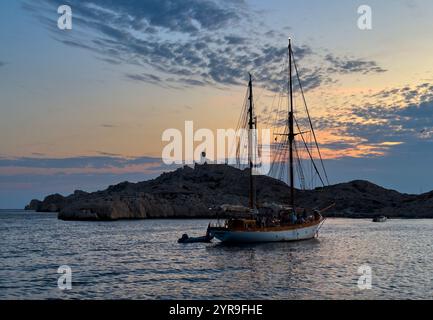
85, 108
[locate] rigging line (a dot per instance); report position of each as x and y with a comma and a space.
282, 157
280, 97
268, 119
309, 153
259, 96
276, 118
246, 135
309, 119
311, 166
283, 166
299, 169
243, 140
295, 151
281, 153
240, 148
241, 116
281, 144
278, 163
275, 155
298, 165
277, 115
238, 143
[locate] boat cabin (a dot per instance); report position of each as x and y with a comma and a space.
241, 224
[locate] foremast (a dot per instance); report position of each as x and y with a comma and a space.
251, 146
291, 131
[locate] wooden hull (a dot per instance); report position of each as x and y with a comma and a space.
281, 234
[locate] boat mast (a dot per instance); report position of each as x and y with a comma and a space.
291, 131
251, 145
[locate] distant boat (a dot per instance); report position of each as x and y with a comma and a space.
380, 219
291, 223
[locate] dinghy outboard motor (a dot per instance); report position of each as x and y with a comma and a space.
184, 238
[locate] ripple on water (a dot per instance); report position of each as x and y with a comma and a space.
142, 260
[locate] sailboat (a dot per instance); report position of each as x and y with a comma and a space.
292, 223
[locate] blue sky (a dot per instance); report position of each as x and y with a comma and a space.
85, 108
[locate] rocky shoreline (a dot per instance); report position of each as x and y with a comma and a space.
199, 192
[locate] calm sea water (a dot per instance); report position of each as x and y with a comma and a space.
142, 260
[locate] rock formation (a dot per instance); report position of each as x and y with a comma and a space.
199, 193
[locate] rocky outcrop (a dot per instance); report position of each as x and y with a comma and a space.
200, 192
356, 199
34, 205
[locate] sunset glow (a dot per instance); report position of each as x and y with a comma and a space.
107, 89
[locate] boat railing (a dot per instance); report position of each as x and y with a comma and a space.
218, 224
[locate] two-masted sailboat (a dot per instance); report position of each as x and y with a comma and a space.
291, 223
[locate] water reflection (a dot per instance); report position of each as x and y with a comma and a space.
142, 260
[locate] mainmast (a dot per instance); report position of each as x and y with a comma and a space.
251, 145
291, 131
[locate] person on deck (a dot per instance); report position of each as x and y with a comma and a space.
293, 217
317, 215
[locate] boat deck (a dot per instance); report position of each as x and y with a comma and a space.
255, 228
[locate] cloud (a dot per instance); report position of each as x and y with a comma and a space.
187, 16
235, 40
144, 77
192, 43
350, 65
392, 119
386, 138
26, 178
2, 64
108, 154
85, 162
411, 123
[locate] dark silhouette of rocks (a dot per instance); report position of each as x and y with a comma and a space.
199, 193
34, 205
